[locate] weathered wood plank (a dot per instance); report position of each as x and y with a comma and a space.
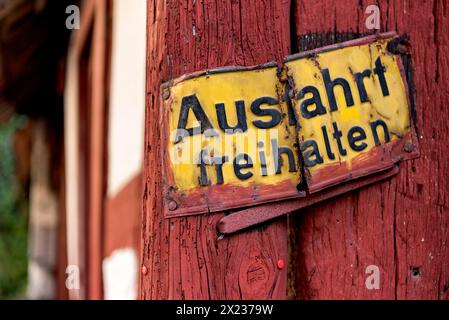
182, 258
401, 226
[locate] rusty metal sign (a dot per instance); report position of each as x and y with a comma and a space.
230, 141
353, 109
311, 129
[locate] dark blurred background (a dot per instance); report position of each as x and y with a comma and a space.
72, 99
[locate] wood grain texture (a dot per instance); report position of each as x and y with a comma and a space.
400, 225
182, 258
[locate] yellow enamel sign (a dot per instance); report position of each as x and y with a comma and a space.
348, 101
234, 138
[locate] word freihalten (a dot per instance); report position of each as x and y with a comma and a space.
243, 164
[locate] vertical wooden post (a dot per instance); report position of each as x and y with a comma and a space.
182, 258
85, 123
96, 178
399, 225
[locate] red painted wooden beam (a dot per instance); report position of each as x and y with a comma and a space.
182, 257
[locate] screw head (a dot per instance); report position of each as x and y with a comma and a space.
172, 205
408, 147
398, 46
166, 94
402, 49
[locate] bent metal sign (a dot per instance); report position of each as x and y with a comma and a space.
237, 137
